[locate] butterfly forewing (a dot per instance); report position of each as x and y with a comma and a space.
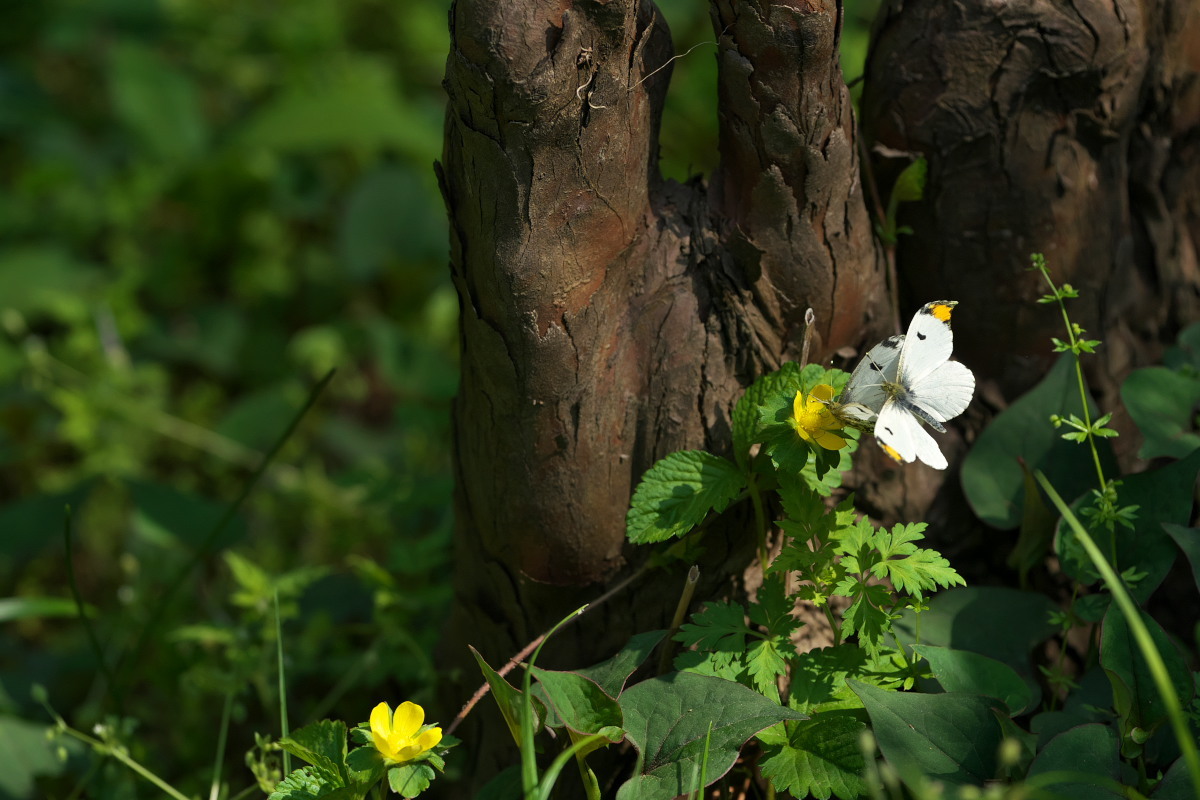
877, 368
928, 343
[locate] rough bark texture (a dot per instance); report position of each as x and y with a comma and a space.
609, 318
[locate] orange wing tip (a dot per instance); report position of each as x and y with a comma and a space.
940, 309
891, 451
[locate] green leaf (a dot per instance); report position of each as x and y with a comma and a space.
785, 381
322, 744
1004, 624
669, 719
911, 569
1188, 540
1161, 402
1176, 784
28, 754
822, 758
819, 677
509, 700
157, 102
677, 493
717, 626
168, 517
365, 765
409, 780
972, 673
1089, 749
991, 474
611, 675
1137, 700
12, 608
1162, 495
953, 738
910, 184
579, 702
312, 783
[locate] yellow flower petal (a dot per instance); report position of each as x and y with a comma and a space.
822, 392
799, 405
407, 720
429, 739
830, 441
381, 726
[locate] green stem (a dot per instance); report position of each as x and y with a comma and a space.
1141, 635
283, 708
120, 755
529, 776
760, 521
214, 791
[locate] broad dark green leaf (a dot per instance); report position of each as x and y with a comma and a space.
972, 673
1084, 750
677, 493
822, 758
991, 474
610, 675
579, 702
27, 754
1176, 784
1188, 540
1004, 624
947, 737
1135, 694
1162, 495
668, 719
1162, 403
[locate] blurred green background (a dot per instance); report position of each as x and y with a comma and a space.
206, 206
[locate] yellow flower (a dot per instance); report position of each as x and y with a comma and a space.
399, 737
813, 420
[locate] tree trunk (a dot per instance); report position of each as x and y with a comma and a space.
609, 317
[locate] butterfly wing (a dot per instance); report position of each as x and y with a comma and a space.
945, 392
903, 438
877, 367
928, 343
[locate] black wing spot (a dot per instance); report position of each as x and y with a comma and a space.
922, 336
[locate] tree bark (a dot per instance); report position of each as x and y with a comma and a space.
609, 317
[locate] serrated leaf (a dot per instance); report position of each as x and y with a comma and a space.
677, 493
322, 744
312, 783
717, 626
953, 738
745, 422
822, 758
673, 719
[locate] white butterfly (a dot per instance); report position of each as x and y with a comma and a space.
906, 380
